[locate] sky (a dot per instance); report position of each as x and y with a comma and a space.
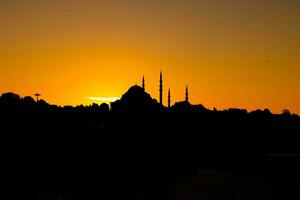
230, 53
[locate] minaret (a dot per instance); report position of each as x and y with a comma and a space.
169, 99
143, 83
186, 94
161, 89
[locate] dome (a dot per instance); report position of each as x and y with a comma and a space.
136, 99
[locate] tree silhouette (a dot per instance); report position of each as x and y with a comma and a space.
104, 107
37, 96
286, 112
9, 98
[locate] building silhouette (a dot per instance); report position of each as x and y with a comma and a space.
186, 94
161, 89
143, 83
169, 99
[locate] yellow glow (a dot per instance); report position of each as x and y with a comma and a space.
233, 53
103, 99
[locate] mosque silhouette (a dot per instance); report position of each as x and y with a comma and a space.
137, 99
169, 91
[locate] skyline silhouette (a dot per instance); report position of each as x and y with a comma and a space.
136, 96
139, 149
145, 99
239, 54
112, 100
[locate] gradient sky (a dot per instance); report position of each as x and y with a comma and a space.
231, 53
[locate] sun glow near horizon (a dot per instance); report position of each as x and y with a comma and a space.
103, 99
233, 53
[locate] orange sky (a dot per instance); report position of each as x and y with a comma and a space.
231, 53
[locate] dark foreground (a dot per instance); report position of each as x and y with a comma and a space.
148, 156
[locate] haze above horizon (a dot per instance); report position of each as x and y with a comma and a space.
233, 53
